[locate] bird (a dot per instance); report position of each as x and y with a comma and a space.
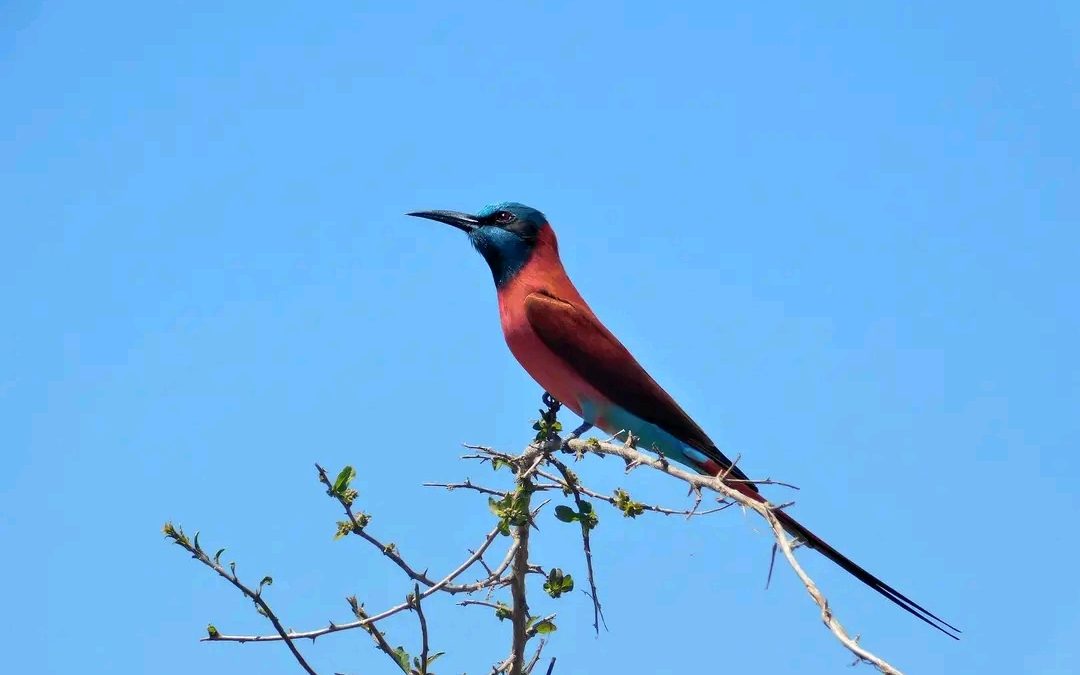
560, 342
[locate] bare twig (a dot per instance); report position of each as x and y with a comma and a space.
535, 657
467, 485
423, 630
571, 481
480, 603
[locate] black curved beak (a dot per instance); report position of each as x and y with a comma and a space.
461, 221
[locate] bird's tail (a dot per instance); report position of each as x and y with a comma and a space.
815, 542
896, 597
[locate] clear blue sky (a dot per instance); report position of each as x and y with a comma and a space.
845, 238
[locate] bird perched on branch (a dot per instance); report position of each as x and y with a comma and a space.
557, 338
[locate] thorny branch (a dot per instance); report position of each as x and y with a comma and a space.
196, 551
571, 482
423, 628
520, 612
635, 458
516, 520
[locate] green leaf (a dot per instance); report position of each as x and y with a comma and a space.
212, 632
546, 626
558, 583
402, 658
586, 507
565, 513
431, 659
266, 581
197, 547
217, 556
343, 479
502, 611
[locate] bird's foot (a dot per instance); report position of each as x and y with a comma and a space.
551, 403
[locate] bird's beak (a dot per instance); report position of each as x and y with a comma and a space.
461, 221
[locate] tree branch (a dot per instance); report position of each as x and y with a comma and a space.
516, 518
635, 457
180, 539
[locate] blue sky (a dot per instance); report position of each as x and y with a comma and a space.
844, 238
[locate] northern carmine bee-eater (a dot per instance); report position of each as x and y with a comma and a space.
556, 337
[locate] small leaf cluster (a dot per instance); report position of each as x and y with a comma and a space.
558, 583
512, 510
548, 426
628, 506
176, 533
586, 516
503, 611
411, 664
345, 527
341, 489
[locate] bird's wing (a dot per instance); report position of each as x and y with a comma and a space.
578, 338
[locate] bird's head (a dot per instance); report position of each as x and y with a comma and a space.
505, 234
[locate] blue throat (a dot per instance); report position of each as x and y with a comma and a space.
504, 252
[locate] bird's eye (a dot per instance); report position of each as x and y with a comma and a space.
504, 217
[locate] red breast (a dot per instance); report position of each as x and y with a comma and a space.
544, 273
